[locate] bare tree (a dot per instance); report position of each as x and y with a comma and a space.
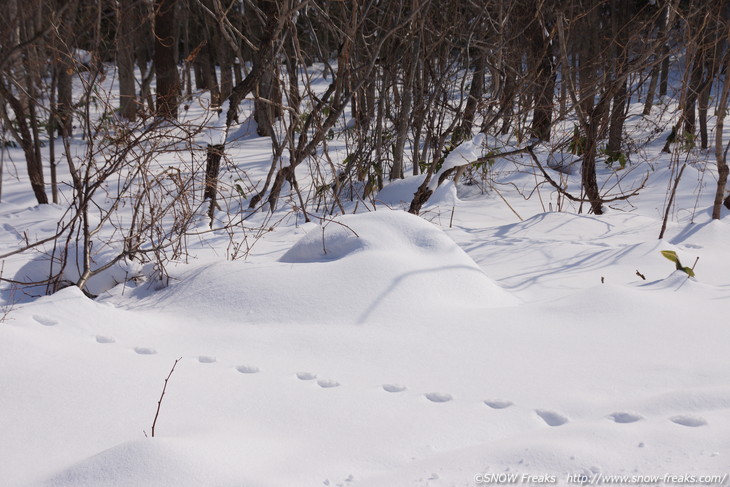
23, 54
119, 168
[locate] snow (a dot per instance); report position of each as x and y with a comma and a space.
370, 267
383, 349
463, 154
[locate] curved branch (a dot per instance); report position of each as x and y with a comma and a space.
565, 193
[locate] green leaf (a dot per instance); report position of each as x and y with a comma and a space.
672, 255
689, 271
239, 189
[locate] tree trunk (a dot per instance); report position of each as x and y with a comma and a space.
621, 27
691, 93
544, 87
265, 55
476, 92
664, 75
144, 52
720, 151
206, 61
591, 113
24, 71
212, 168
660, 63
703, 102
267, 103
588, 167
651, 91
65, 67
404, 114
712, 59
51, 138
618, 116
198, 74
25, 139
125, 62
268, 48
168, 83
543, 113
225, 61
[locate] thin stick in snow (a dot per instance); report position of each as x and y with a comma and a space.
159, 402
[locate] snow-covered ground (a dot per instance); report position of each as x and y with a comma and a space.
476, 343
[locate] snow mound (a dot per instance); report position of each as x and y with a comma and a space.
151, 462
399, 193
467, 152
384, 266
563, 162
393, 232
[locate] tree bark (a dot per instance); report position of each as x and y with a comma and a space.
621, 27
720, 150
651, 91
65, 67
593, 113
476, 92
404, 114
25, 139
265, 56
664, 74
588, 167
618, 116
541, 52
125, 62
168, 82
225, 61
267, 102
214, 154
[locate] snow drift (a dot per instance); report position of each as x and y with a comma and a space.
364, 267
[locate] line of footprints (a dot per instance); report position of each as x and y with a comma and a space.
551, 418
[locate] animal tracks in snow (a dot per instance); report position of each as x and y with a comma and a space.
327, 383
145, 350
551, 418
438, 396
498, 403
248, 369
625, 418
45, 320
323, 383
691, 421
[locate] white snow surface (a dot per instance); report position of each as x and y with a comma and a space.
376, 267
384, 349
465, 153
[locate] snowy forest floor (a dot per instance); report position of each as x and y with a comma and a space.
476, 342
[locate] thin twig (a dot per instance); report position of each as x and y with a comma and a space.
671, 201
565, 193
330, 220
159, 403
